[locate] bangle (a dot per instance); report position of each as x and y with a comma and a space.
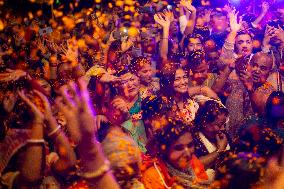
54, 131
35, 141
220, 151
98, 173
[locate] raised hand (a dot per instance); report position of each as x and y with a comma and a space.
70, 51
169, 15
121, 105
187, 4
234, 24
109, 78
207, 15
270, 32
98, 120
280, 33
162, 20
264, 7
9, 101
74, 103
38, 114
227, 8
246, 78
222, 141
12, 75
41, 46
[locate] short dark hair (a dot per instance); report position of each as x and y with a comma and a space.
208, 112
245, 32
155, 106
167, 136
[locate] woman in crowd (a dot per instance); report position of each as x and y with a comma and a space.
143, 62
128, 106
175, 164
174, 86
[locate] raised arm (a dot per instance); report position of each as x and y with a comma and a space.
264, 10
66, 156
192, 17
95, 168
165, 23
32, 166
228, 47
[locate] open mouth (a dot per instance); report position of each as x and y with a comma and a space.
255, 78
244, 50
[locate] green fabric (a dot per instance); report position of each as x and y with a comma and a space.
136, 127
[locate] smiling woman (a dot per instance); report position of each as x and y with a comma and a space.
176, 165
174, 85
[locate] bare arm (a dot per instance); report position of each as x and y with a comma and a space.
31, 170
94, 166
164, 44
192, 17
265, 8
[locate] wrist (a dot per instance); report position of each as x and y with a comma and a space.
38, 122
234, 32
220, 151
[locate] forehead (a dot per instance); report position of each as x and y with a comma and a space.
262, 60
243, 37
184, 139
180, 73
219, 17
194, 40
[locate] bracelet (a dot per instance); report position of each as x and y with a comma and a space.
35, 141
98, 173
54, 131
220, 151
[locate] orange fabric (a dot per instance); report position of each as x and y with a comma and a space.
82, 184
151, 179
198, 168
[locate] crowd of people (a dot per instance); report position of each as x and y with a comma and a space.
133, 94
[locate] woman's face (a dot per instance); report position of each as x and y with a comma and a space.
45, 86
181, 151
145, 74
181, 81
130, 85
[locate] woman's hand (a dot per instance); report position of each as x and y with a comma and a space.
264, 7
38, 115
12, 75
270, 32
109, 78
222, 141
246, 78
187, 4
74, 103
9, 101
234, 24
121, 105
71, 51
98, 120
162, 20
169, 15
